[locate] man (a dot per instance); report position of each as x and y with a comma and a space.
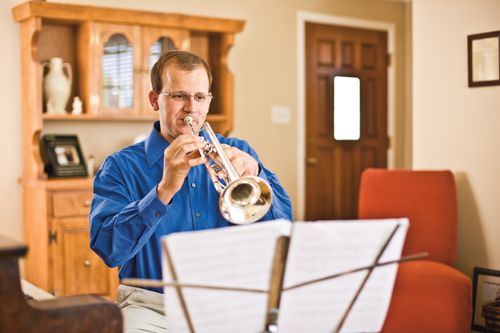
160, 186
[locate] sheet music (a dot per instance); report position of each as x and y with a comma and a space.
238, 256
324, 248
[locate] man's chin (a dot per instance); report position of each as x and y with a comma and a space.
187, 130
196, 129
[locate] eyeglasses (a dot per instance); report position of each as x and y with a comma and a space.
183, 97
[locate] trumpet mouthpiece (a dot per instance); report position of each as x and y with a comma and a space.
188, 120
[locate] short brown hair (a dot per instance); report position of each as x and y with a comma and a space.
183, 60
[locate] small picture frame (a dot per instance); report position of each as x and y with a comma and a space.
485, 289
483, 53
63, 156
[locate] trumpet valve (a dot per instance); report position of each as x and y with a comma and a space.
209, 148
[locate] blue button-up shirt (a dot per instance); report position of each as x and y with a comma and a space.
127, 219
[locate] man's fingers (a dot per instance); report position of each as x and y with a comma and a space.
230, 151
240, 165
195, 161
184, 145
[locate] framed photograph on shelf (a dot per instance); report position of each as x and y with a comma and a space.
485, 289
63, 156
483, 53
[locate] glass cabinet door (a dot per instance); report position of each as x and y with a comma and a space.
157, 41
160, 46
116, 63
117, 73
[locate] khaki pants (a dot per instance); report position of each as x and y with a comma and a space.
142, 310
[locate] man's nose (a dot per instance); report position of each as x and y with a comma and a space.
189, 103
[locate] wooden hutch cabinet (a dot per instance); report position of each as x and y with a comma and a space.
94, 41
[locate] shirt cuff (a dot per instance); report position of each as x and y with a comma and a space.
151, 208
262, 173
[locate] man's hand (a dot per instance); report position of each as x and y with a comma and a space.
178, 158
243, 162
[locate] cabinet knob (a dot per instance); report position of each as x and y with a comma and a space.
87, 263
86, 203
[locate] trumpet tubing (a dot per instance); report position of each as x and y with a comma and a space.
242, 199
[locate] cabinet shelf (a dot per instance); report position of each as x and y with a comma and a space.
69, 183
103, 117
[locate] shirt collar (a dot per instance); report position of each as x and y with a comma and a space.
155, 145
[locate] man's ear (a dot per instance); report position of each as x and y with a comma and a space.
153, 100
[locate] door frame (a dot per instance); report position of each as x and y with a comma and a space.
302, 18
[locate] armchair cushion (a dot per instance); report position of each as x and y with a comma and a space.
429, 297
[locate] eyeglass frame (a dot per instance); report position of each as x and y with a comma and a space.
185, 93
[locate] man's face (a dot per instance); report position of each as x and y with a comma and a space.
173, 110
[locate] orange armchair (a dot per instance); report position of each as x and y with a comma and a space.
430, 296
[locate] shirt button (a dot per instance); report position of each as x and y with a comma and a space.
157, 214
197, 215
193, 185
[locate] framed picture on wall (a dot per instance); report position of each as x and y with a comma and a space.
485, 289
483, 54
63, 156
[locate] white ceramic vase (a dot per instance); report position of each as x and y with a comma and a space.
57, 86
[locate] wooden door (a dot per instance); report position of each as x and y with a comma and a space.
334, 166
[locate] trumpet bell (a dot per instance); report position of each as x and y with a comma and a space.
245, 200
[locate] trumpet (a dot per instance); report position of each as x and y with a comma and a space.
242, 199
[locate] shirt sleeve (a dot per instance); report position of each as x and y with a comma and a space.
119, 226
281, 207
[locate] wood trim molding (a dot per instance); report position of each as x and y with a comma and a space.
79, 13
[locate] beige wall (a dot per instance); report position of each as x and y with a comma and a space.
456, 127
10, 125
264, 62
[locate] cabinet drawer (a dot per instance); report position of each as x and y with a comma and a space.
71, 203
